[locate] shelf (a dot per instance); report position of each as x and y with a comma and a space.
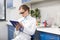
31, 1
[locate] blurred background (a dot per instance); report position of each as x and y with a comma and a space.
49, 11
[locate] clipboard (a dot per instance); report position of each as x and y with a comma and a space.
14, 23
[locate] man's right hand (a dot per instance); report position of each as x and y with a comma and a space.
17, 27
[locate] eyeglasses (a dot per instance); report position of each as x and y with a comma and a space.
21, 12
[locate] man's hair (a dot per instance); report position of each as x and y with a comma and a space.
25, 7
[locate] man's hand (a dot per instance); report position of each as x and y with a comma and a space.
18, 26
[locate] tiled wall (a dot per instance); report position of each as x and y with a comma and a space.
49, 10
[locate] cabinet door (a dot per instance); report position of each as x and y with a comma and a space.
42, 36
48, 36
10, 32
51, 37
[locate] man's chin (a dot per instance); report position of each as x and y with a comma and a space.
22, 16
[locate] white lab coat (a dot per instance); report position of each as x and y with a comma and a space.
29, 28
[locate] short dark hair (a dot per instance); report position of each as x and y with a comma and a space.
25, 7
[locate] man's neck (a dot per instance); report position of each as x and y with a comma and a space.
26, 15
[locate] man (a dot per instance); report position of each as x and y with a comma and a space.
28, 24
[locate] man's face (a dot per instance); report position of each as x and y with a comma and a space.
23, 12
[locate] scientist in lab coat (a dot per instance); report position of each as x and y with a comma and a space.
28, 24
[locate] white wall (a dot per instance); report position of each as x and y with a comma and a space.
10, 14
49, 10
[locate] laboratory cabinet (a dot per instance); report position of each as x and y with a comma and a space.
41, 35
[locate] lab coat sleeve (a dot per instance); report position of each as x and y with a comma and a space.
16, 32
29, 28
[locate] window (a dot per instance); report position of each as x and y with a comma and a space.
2, 10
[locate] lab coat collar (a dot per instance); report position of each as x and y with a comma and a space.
28, 16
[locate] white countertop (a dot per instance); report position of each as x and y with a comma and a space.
50, 30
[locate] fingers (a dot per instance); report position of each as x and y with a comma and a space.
21, 24
17, 26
